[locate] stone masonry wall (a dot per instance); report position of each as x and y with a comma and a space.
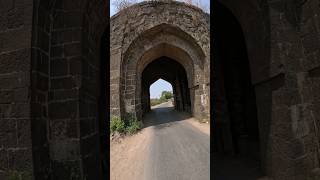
133, 33
43, 88
49, 78
285, 72
15, 91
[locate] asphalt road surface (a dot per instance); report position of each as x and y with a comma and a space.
177, 150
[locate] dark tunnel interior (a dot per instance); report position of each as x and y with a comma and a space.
235, 125
174, 73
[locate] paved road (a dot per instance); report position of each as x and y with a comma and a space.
178, 151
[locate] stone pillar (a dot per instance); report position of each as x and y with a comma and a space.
222, 138
145, 98
184, 90
68, 105
115, 82
179, 103
15, 88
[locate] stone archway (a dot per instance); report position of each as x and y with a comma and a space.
171, 71
154, 53
50, 73
236, 130
270, 29
144, 41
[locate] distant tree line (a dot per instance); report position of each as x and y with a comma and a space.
165, 97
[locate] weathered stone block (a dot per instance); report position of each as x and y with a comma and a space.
3, 160
64, 94
15, 80
87, 127
61, 150
75, 66
19, 110
20, 159
15, 18
59, 67
66, 169
40, 61
72, 129
89, 144
15, 61
24, 133
8, 136
64, 83
41, 82
6, 5
56, 51
39, 132
63, 110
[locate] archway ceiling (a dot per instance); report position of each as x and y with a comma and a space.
164, 68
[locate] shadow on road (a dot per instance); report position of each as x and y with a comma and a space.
163, 115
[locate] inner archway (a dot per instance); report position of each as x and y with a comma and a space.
174, 73
160, 91
236, 128
151, 40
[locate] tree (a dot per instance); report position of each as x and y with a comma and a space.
166, 95
188, 1
122, 4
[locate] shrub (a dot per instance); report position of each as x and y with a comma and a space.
116, 124
133, 126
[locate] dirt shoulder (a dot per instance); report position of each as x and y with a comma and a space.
127, 156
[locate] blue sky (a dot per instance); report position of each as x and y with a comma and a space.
113, 10
157, 87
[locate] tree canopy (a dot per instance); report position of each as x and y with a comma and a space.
166, 95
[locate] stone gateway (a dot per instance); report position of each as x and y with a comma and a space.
265, 63
153, 40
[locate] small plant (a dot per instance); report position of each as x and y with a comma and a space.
116, 124
133, 126
128, 126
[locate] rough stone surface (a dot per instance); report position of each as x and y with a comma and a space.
148, 31
282, 40
53, 68
49, 88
